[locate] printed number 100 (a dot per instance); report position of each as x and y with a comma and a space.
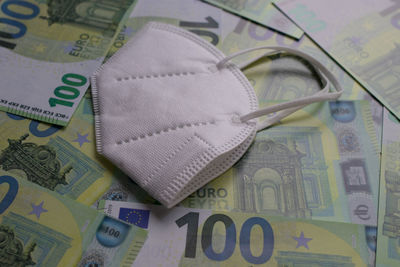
67, 91
192, 220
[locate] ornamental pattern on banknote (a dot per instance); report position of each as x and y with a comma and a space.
42, 165
92, 258
51, 245
39, 163
355, 176
103, 16
354, 162
87, 27
348, 141
104, 246
276, 177
12, 251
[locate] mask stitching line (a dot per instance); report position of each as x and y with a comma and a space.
155, 75
205, 159
181, 177
168, 158
165, 130
172, 194
203, 174
219, 169
185, 175
203, 140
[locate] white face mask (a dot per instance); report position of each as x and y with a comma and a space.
173, 113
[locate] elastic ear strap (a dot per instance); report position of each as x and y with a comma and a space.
291, 106
278, 116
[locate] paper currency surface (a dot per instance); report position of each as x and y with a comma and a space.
63, 160
194, 237
388, 248
260, 11
317, 164
41, 228
360, 35
48, 49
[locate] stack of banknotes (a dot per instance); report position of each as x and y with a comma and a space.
320, 188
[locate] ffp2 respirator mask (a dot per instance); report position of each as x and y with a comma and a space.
173, 112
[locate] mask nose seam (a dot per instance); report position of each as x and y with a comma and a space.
165, 130
154, 75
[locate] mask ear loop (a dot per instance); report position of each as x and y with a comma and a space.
287, 108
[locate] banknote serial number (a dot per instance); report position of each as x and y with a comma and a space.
67, 91
191, 219
27, 108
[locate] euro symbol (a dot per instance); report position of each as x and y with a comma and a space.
362, 212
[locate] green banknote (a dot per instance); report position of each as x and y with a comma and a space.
48, 49
320, 163
194, 237
388, 243
362, 37
63, 160
41, 228
260, 11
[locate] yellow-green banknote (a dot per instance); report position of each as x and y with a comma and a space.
362, 37
63, 160
320, 163
262, 12
203, 237
388, 245
48, 49
41, 228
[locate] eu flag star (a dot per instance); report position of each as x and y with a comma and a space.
136, 217
37, 209
302, 241
81, 139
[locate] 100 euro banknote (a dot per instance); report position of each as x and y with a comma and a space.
48, 49
63, 160
194, 237
41, 228
361, 36
319, 163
